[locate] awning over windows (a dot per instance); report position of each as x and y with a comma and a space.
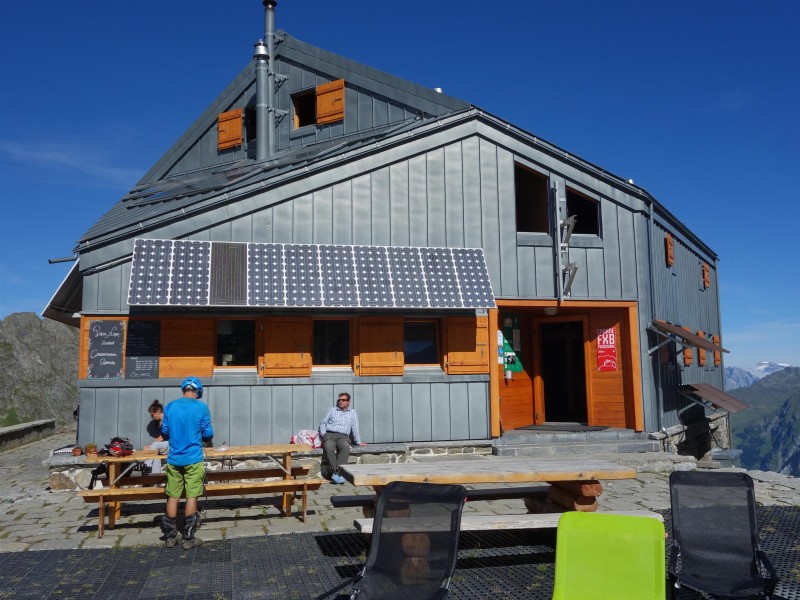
714, 396
685, 337
197, 273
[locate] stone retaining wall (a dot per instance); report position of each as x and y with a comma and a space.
24, 433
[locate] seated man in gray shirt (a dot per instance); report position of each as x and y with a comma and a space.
337, 430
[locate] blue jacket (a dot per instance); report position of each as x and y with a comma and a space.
186, 423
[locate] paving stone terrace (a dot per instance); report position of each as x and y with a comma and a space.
43, 529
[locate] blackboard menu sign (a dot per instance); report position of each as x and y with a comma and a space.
142, 349
105, 349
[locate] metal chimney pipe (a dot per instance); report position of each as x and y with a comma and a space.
269, 23
262, 103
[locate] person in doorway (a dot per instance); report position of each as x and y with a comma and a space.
338, 429
156, 412
186, 424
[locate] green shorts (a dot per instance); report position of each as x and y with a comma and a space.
189, 478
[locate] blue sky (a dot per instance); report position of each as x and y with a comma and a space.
696, 101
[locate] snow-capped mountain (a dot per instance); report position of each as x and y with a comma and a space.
736, 377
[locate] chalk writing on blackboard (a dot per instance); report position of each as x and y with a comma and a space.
105, 349
142, 349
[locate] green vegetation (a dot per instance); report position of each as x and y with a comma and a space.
10, 419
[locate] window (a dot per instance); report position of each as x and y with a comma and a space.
322, 105
331, 343
236, 343
420, 343
585, 211
305, 108
531, 195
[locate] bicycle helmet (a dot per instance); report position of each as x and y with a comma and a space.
192, 383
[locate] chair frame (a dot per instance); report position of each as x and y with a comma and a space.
762, 571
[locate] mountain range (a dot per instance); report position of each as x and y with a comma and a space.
737, 377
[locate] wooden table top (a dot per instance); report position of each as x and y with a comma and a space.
489, 470
215, 452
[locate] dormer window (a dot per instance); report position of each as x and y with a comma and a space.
319, 106
586, 212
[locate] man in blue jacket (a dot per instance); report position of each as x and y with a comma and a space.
187, 425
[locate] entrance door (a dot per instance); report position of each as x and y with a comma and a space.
563, 371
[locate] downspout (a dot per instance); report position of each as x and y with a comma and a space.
659, 394
269, 19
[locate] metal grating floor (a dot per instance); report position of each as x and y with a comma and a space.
506, 565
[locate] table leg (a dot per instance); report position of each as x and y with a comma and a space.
288, 497
114, 506
101, 516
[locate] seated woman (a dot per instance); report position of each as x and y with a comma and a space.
156, 411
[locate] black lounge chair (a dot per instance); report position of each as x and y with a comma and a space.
715, 543
414, 543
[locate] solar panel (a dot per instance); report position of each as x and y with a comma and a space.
179, 273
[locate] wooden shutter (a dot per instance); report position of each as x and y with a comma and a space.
688, 354
187, 347
706, 276
717, 353
287, 347
669, 250
701, 352
330, 102
380, 346
229, 129
467, 345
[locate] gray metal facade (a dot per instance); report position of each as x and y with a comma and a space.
444, 181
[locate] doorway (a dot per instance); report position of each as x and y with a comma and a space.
563, 371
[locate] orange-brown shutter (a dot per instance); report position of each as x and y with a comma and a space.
187, 347
380, 341
330, 102
701, 353
287, 347
229, 129
687, 353
467, 345
706, 276
669, 250
717, 353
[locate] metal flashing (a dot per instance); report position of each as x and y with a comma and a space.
714, 396
681, 336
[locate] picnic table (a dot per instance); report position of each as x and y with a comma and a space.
221, 482
573, 482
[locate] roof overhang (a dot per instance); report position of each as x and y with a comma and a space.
706, 394
67, 301
190, 273
681, 336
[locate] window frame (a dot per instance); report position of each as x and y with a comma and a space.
586, 197
315, 366
437, 343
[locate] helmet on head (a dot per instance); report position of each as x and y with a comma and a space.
192, 383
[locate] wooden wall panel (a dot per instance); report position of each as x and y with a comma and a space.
607, 400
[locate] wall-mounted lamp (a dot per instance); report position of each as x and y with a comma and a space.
551, 311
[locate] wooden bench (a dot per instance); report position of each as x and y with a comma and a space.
368, 501
522, 521
123, 494
217, 475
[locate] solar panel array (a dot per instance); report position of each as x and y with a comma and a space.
178, 272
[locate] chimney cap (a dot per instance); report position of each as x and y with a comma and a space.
260, 50
270, 3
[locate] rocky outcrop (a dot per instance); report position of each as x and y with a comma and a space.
38, 369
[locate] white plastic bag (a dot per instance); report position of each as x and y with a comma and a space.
307, 436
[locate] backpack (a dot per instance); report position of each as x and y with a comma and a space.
120, 446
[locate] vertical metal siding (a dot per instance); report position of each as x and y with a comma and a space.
399, 204
473, 231
506, 222
381, 207
302, 221
435, 190
490, 220
362, 210
323, 216
417, 201
421, 412
453, 196
611, 250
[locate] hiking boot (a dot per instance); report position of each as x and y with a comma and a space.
170, 531
174, 540
191, 543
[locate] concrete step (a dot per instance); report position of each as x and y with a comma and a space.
522, 442
589, 447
